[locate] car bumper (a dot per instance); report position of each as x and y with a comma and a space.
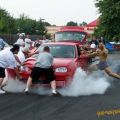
62, 79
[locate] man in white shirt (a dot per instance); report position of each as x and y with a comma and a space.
20, 42
7, 60
22, 55
43, 70
28, 41
45, 40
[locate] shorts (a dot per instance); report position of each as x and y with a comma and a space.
102, 65
2, 72
37, 72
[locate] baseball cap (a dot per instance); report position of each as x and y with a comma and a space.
93, 46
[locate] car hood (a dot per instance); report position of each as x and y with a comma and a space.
57, 62
63, 62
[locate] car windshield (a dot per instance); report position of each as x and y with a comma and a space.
60, 51
71, 36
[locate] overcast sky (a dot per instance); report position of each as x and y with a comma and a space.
57, 12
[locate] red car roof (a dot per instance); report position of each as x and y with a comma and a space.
61, 43
72, 28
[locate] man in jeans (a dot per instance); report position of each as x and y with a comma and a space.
43, 70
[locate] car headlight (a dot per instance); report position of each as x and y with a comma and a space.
61, 69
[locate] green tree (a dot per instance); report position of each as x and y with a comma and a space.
40, 28
47, 24
6, 22
30, 26
25, 24
83, 23
71, 23
109, 21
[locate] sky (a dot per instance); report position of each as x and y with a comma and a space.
57, 12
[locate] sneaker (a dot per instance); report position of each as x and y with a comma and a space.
26, 90
56, 94
2, 91
2, 88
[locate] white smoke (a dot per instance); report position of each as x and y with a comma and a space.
81, 85
17, 86
84, 84
14, 86
41, 90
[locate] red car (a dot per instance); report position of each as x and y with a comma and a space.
67, 59
71, 34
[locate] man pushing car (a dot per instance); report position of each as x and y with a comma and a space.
43, 71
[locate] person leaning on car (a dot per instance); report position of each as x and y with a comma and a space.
22, 56
7, 60
43, 70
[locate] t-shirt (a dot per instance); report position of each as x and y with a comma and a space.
27, 42
44, 60
7, 59
21, 57
20, 42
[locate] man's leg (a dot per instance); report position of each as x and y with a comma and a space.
1, 81
4, 83
53, 86
34, 75
92, 68
110, 73
29, 83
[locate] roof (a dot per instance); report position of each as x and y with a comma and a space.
93, 23
61, 43
71, 28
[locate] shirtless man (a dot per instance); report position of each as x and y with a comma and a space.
102, 53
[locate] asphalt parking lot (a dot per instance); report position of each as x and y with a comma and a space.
19, 106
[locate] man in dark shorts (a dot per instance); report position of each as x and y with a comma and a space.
43, 72
7, 60
102, 53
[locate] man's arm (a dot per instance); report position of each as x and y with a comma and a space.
17, 59
31, 54
16, 69
94, 54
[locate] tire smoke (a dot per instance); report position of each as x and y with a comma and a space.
84, 84
14, 86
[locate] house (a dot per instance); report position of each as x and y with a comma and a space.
89, 28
